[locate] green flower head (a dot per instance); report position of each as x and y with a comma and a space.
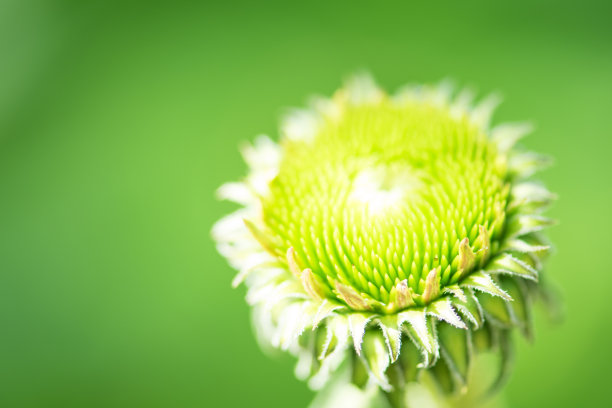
394, 237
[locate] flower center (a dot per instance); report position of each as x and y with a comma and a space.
383, 188
388, 197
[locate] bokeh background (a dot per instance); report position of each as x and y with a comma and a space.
119, 119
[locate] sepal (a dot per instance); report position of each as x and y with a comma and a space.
506, 135
443, 376
524, 165
466, 257
263, 239
418, 327
325, 309
350, 296
496, 310
456, 351
523, 224
432, 285
376, 358
443, 310
357, 324
521, 306
470, 308
522, 245
506, 357
509, 265
409, 359
392, 334
482, 282
530, 197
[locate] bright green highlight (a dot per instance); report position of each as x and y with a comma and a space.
387, 192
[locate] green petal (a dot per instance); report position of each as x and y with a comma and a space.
326, 342
392, 334
523, 224
496, 308
455, 349
506, 135
530, 196
466, 257
292, 262
409, 358
523, 165
432, 285
403, 295
359, 373
469, 308
521, 307
353, 299
274, 292
442, 374
523, 246
506, 356
326, 308
481, 113
507, 264
331, 351
443, 310
264, 240
484, 338
483, 241
254, 261
418, 326
312, 284
307, 363
357, 324
455, 291
289, 327
396, 397
483, 283
376, 357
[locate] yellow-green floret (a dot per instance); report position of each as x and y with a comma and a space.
388, 193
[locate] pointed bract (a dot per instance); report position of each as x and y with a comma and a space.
521, 245
432, 285
292, 262
443, 310
312, 285
483, 283
353, 299
484, 242
524, 224
404, 296
263, 239
357, 324
526, 164
467, 257
392, 334
455, 349
418, 322
326, 308
456, 291
376, 357
506, 135
507, 264
469, 308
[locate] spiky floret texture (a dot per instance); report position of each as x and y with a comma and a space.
398, 233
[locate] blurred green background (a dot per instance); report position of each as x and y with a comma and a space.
118, 120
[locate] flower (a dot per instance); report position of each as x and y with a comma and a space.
396, 235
